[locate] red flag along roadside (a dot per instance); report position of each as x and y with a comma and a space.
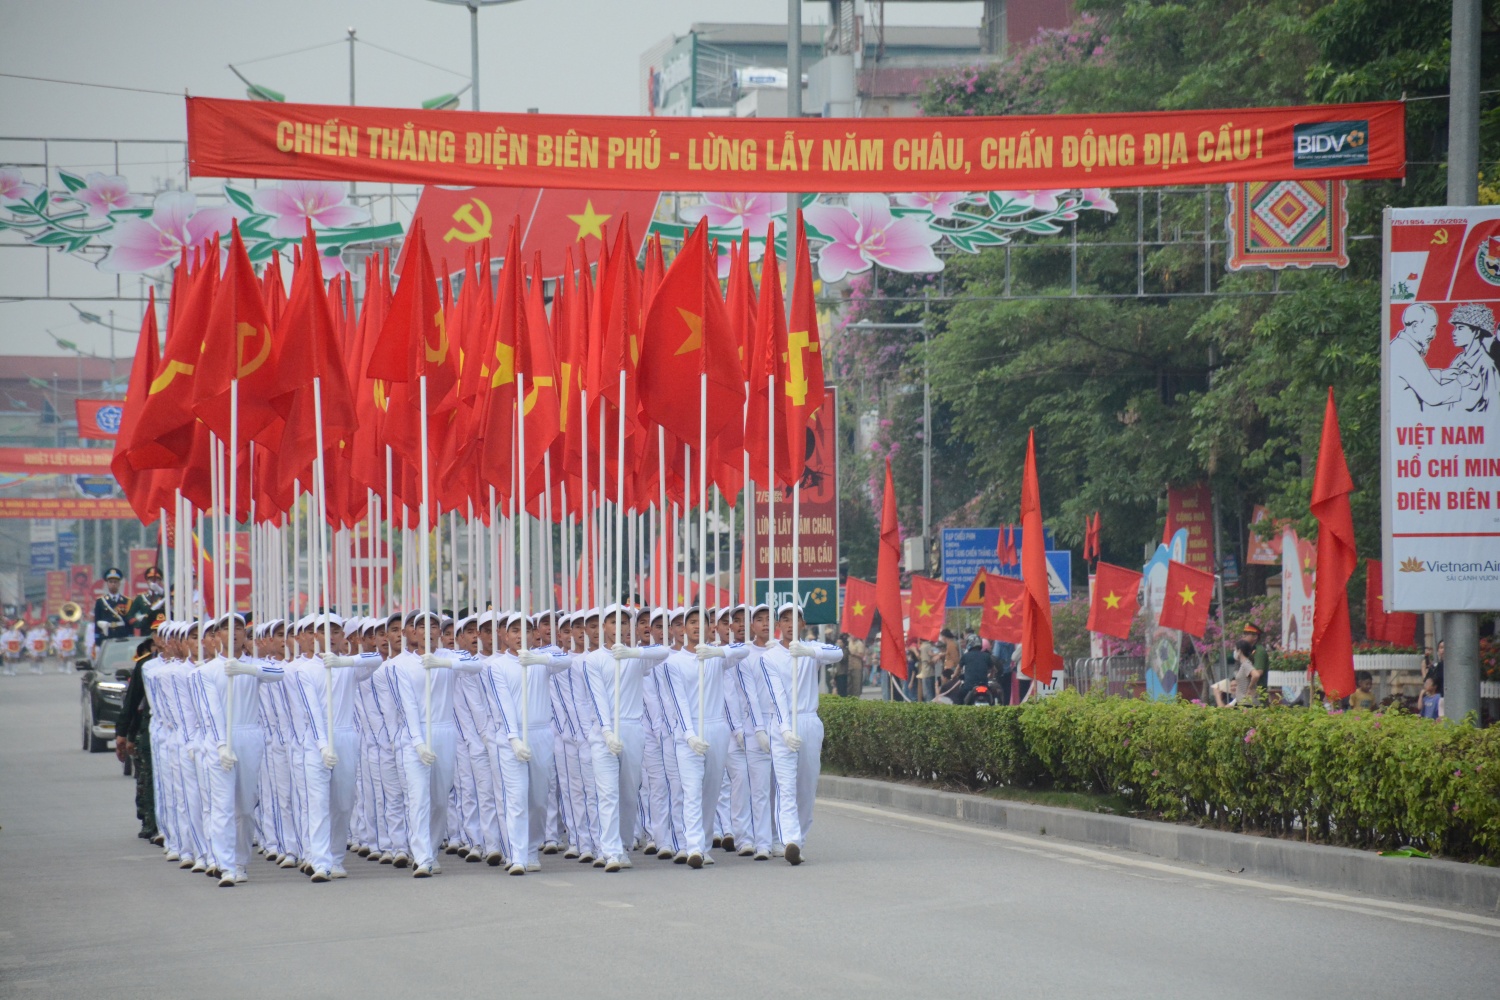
926, 608
1000, 619
1039, 658
99, 419
859, 607
1332, 639
1399, 628
1185, 603
888, 584
1116, 600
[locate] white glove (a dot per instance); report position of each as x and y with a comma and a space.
227, 759
612, 743
425, 754
698, 746
799, 648
238, 668
340, 661
620, 651
706, 652
520, 749
739, 739
531, 658
763, 740
330, 759
792, 740
432, 661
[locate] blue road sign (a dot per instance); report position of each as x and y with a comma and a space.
966, 551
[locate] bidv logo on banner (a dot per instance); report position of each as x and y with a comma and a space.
1331, 144
107, 418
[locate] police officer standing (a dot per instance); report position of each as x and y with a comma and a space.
145, 607
110, 609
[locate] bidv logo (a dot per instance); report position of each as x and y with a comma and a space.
107, 418
1331, 144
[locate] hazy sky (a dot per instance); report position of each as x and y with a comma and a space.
562, 56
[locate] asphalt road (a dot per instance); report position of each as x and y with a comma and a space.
887, 905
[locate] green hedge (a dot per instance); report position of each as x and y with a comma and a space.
1365, 780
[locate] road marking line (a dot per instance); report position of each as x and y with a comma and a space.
1121, 858
1390, 916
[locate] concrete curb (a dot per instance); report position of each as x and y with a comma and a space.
1444, 883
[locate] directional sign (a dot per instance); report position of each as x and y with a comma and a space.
1060, 575
966, 551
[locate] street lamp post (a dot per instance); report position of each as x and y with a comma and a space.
474, 6
926, 413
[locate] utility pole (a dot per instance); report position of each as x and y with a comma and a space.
793, 110
1461, 628
351, 67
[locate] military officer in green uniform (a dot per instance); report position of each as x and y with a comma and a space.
133, 736
145, 607
110, 609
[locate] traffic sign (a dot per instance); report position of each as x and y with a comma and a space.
966, 551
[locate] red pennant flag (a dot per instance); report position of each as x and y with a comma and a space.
1005, 547
688, 335
1185, 604
237, 346
1091, 537
765, 373
1332, 640
888, 583
1116, 600
1038, 657
859, 608
927, 608
164, 436
142, 371
535, 361
804, 359
1396, 627
1000, 621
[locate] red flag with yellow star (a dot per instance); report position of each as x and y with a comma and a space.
237, 346
1396, 627
888, 583
1185, 604
1116, 600
564, 218
804, 359
1000, 621
929, 603
688, 335
859, 607
1038, 652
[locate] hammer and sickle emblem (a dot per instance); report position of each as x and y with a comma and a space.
536, 384
438, 354
1440, 238
476, 229
798, 344
244, 332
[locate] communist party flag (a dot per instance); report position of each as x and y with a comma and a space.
1332, 641
888, 583
1000, 620
164, 436
765, 373
859, 607
687, 336
1396, 627
142, 371
804, 359
1116, 600
536, 362
496, 425
1185, 604
929, 603
237, 346
1038, 657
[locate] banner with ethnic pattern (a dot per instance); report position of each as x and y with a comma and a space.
1277, 224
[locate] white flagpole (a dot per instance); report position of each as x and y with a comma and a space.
585, 553
702, 541
549, 570
390, 539
494, 561
668, 542
425, 558
619, 534
771, 501
525, 532
322, 516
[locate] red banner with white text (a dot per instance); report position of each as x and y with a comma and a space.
252, 139
86, 508
55, 460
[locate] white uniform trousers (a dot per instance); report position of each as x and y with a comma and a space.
797, 779
487, 804
277, 785
233, 795
576, 774
372, 795
427, 790
203, 796
341, 793
297, 755
552, 833
666, 806
540, 775
393, 787
317, 779
701, 779
758, 781
463, 822
737, 806
618, 780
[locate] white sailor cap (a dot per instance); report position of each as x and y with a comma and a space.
788, 606
678, 614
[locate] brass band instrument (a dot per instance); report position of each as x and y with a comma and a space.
70, 611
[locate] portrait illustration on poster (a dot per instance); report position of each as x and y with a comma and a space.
1440, 462
1163, 645
1299, 560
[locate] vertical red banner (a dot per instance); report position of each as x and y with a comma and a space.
140, 561
1191, 507
58, 590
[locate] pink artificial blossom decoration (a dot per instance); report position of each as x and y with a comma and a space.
103, 194
1041, 201
138, 245
1099, 198
739, 211
865, 234
296, 203
940, 203
14, 187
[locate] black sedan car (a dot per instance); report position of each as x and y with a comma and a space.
104, 679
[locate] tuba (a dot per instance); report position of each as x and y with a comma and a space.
70, 611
